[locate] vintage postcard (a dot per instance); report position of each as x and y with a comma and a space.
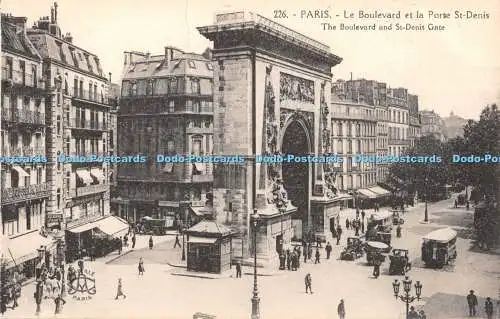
260, 159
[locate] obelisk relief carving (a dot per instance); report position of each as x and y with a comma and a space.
271, 180
329, 173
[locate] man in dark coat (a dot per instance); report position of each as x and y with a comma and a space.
362, 215
177, 241
238, 270
413, 314
308, 283
328, 249
347, 223
488, 308
341, 309
133, 241
151, 242
472, 302
316, 260
339, 234
309, 251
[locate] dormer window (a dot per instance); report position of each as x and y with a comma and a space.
191, 64
210, 66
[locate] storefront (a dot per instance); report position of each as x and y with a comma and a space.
383, 195
81, 234
209, 247
23, 252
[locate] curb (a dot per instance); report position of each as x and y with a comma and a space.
192, 276
177, 265
119, 256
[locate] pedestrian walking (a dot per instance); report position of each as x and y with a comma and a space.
151, 242
422, 315
318, 242
467, 205
316, 260
309, 251
398, 231
238, 270
15, 294
362, 226
376, 265
328, 249
119, 290
59, 301
308, 282
339, 234
341, 309
356, 228
472, 302
125, 241
488, 308
413, 314
297, 256
177, 241
133, 241
295, 261
362, 215
347, 223
288, 259
141, 266
357, 213
120, 247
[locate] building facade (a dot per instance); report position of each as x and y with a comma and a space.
414, 131
24, 185
166, 109
454, 126
397, 103
78, 122
432, 124
354, 107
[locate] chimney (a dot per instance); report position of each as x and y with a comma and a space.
52, 15
168, 55
148, 56
109, 77
55, 12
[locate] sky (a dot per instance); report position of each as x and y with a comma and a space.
457, 69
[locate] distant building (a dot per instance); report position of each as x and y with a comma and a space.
166, 108
454, 126
432, 124
414, 129
397, 103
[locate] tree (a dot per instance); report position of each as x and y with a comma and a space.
482, 138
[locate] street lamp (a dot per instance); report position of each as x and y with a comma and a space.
183, 257
407, 298
426, 217
255, 299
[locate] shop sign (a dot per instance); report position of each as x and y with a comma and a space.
54, 218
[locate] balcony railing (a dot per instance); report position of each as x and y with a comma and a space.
22, 78
86, 153
92, 96
203, 178
352, 116
88, 124
398, 142
23, 116
10, 195
91, 189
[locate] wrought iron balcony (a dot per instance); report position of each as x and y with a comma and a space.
19, 78
82, 124
11, 195
398, 142
92, 96
91, 189
23, 116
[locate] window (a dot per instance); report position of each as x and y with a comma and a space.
349, 147
75, 87
95, 92
173, 85
195, 86
340, 133
210, 66
81, 89
170, 147
349, 129
340, 148
8, 68
61, 52
58, 121
196, 147
192, 65
91, 93
349, 163
133, 89
359, 147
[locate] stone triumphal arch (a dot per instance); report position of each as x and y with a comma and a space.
271, 87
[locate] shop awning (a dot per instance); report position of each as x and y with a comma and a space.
20, 171
112, 225
84, 227
24, 247
85, 176
97, 173
201, 240
365, 192
168, 168
198, 211
379, 191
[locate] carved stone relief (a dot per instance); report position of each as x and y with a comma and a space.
296, 89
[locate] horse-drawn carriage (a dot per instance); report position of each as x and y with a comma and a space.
461, 200
400, 263
396, 217
353, 250
375, 249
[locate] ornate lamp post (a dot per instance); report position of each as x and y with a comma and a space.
407, 298
183, 257
255, 299
426, 216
